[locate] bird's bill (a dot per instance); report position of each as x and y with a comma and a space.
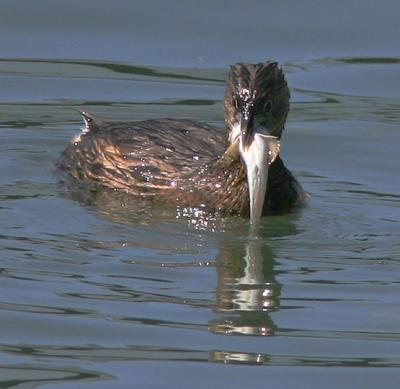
258, 154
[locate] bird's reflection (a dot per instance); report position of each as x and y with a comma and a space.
117, 206
121, 207
247, 290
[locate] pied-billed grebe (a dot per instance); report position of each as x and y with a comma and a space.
187, 163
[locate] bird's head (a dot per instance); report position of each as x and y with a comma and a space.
256, 106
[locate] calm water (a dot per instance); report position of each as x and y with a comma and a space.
109, 293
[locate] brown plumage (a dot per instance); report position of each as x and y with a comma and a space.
187, 163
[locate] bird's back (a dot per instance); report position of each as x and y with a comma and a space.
143, 158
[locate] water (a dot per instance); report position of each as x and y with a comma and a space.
113, 294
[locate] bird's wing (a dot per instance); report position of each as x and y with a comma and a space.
143, 156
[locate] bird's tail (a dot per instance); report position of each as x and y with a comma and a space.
92, 123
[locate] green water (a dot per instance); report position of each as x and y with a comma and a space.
108, 293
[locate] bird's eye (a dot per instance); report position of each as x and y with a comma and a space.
268, 106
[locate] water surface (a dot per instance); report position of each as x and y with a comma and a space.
109, 293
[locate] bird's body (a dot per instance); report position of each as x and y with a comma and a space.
179, 162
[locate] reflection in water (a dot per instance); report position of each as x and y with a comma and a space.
114, 205
124, 208
246, 293
240, 358
247, 290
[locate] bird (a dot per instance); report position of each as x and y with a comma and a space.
232, 171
